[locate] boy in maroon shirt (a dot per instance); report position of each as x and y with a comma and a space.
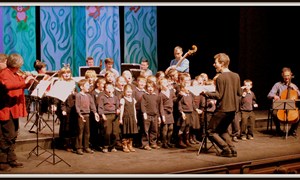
152, 109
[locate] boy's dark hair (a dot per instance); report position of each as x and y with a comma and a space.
38, 65
89, 58
82, 82
145, 60
108, 61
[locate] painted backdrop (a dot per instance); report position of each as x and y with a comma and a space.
67, 35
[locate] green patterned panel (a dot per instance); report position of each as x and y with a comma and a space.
141, 35
79, 41
56, 36
19, 34
103, 34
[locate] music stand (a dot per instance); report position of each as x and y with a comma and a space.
203, 146
56, 93
51, 73
53, 155
135, 73
38, 94
36, 148
128, 66
83, 69
31, 98
285, 104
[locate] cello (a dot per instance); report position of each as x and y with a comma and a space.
288, 116
190, 52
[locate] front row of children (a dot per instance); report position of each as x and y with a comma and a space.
154, 110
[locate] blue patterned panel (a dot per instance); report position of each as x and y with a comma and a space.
56, 36
19, 35
103, 34
141, 35
79, 41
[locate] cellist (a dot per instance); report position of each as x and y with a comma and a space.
275, 94
184, 65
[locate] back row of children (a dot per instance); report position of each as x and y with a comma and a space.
112, 112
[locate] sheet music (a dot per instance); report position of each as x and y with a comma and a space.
210, 88
196, 90
62, 89
40, 89
284, 104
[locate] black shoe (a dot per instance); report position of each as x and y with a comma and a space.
171, 145
294, 134
188, 144
280, 133
181, 145
5, 167
233, 153
15, 164
226, 153
165, 146
32, 131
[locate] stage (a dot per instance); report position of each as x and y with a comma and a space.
155, 162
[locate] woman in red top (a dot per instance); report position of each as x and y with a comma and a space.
12, 106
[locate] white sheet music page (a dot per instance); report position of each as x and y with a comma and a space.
61, 90
40, 89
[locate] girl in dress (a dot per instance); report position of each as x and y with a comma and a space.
128, 119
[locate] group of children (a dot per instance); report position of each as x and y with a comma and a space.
163, 110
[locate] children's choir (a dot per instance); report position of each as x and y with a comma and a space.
108, 113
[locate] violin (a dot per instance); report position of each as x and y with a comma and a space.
25, 74
288, 115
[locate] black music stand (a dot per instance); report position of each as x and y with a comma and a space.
128, 66
203, 146
37, 103
29, 100
53, 155
83, 69
38, 128
32, 99
285, 104
135, 73
51, 73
